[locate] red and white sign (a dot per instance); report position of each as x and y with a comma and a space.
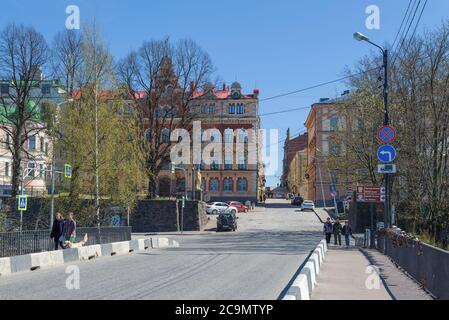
370, 194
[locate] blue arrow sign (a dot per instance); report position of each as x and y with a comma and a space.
333, 188
386, 154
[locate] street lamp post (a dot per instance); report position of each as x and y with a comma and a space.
53, 162
360, 37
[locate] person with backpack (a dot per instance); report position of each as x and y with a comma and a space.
337, 229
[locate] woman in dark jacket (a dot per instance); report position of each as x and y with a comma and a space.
57, 230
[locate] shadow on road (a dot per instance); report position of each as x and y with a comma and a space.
265, 242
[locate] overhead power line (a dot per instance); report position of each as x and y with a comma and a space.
402, 23
317, 85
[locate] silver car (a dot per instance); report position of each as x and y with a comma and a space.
220, 207
307, 205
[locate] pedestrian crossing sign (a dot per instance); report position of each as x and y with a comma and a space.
22, 203
67, 171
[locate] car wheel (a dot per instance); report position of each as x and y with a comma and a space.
214, 211
233, 212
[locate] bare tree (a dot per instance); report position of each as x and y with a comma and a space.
419, 110
23, 52
162, 80
67, 52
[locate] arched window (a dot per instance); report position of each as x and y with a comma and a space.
229, 136
148, 135
213, 185
227, 185
243, 136
165, 136
242, 185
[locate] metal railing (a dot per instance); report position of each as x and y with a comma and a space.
24, 242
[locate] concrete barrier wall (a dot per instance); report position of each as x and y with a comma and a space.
428, 265
34, 261
304, 283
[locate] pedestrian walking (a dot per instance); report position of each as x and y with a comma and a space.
69, 231
56, 230
337, 229
347, 232
327, 229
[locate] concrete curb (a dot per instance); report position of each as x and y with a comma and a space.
305, 282
34, 261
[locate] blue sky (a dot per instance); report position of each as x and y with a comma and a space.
278, 46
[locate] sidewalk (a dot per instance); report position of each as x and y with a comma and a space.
345, 273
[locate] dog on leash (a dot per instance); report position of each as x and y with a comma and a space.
69, 244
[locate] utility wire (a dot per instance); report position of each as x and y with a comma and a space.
318, 85
402, 23
405, 37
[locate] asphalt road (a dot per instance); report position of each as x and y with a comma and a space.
255, 262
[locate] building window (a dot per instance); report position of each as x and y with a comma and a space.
181, 185
166, 112
213, 185
203, 184
333, 124
242, 163
46, 89
157, 113
212, 108
242, 185
31, 172
204, 108
32, 143
240, 108
42, 141
46, 148
243, 136
165, 136
6, 169
231, 108
227, 185
202, 165
214, 165
228, 163
229, 136
41, 171
4, 88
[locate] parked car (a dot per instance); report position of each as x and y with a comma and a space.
226, 221
220, 207
297, 201
240, 206
307, 205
